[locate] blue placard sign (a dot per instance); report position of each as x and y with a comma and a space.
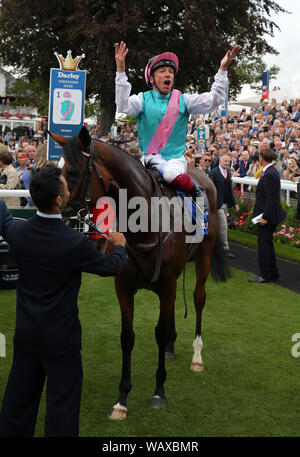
66, 106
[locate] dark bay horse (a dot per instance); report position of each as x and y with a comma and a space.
99, 169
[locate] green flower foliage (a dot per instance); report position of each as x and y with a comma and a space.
287, 232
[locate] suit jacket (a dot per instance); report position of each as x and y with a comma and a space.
5, 218
268, 197
244, 167
223, 186
51, 258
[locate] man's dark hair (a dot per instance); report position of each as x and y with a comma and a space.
268, 155
45, 186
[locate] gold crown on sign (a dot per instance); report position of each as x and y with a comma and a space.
68, 63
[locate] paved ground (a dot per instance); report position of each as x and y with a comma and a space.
246, 260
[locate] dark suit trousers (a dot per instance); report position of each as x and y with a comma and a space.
298, 204
23, 392
266, 252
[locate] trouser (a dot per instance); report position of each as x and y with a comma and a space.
24, 389
173, 171
266, 252
223, 226
169, 169
298, 204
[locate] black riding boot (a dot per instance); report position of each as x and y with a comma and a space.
197, 191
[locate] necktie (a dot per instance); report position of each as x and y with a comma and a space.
225, 174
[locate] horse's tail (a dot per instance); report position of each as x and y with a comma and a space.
219, 268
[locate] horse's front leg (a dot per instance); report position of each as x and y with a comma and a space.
126, 299
162, 335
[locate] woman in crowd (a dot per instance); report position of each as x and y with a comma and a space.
9, 178
292, 173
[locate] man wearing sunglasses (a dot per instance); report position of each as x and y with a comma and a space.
207, 163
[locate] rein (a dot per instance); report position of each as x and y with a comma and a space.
91, 155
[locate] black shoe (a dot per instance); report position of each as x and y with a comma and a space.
258, 279
275, 278
229, 255
197, 191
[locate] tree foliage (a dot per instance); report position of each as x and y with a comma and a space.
198, 31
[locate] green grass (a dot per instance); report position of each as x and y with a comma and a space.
250, 385
250, 240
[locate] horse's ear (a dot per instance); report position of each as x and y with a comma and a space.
84, 137
59, 139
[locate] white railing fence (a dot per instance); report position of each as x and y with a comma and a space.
287, 186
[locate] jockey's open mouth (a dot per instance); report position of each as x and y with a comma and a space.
167, 83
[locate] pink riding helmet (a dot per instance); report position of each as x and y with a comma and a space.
162, 60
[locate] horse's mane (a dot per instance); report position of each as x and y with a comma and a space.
72, 150
72, 153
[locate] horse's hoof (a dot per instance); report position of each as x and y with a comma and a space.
196, 367
170, 356
158, 402
118, 413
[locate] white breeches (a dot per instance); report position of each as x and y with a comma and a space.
170, 169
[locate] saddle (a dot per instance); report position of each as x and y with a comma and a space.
170, 192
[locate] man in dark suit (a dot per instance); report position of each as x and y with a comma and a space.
297, 218
47, 341
221, 177
5, 218
267, 204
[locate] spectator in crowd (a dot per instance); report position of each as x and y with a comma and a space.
199, 161
24, 172
244, 164
221, 177
7, 137
207, 163
9, 178
30, 132
254, 166
189, 158
47, 339
31, 151
41, 158
292, 172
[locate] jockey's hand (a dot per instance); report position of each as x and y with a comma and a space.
116, 238
229, 56
120, 56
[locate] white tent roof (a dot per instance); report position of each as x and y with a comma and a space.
289, 92
236, 108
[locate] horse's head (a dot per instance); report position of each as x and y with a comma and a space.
74, 163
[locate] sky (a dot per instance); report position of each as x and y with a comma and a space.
286, 41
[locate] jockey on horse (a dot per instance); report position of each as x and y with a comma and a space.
162, 113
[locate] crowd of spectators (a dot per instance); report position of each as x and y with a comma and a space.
19, 156
242, 136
